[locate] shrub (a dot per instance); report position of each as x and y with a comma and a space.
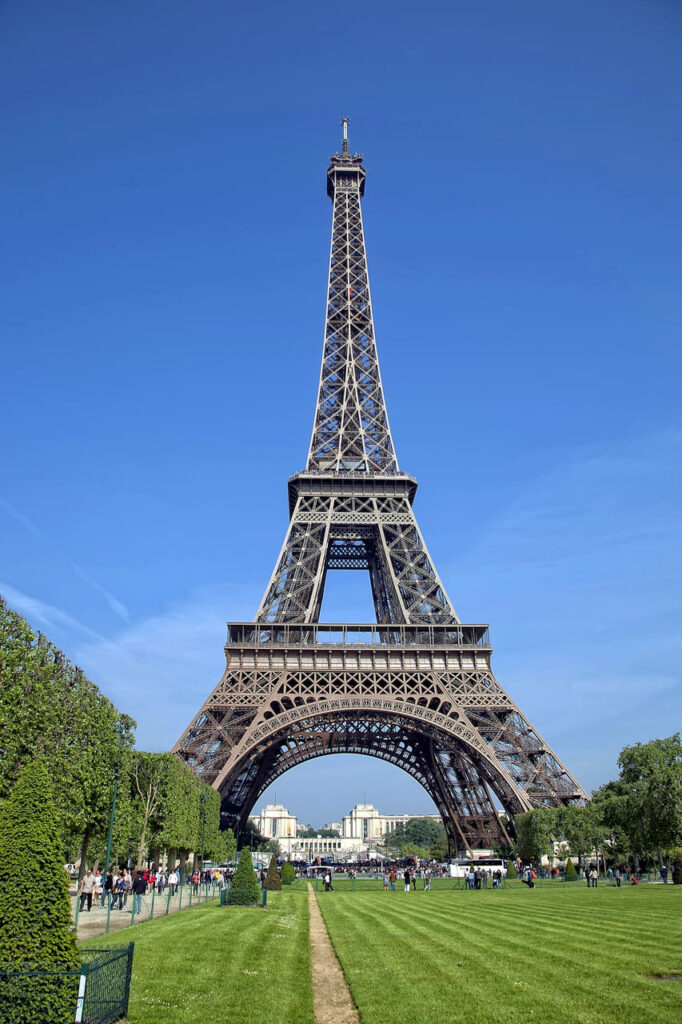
570, 869
244, 887
272, 880
288, 873
511, 870
35, 908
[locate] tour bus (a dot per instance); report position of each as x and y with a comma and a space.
460, 868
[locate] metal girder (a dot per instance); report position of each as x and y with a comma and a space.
417, 688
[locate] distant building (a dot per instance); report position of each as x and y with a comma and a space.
275, 822
361, 833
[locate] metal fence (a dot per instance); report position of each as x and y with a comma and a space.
130, 909
97, 994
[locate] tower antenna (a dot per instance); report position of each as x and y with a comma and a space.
345, 121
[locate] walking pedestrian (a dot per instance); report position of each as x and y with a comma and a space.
617, 876
86, 889
139, 890
392, 877
427, 881
406, 877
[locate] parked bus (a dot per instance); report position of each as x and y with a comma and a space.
460, 868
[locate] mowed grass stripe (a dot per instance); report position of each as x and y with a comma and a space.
229, 964
549, 959
618, 917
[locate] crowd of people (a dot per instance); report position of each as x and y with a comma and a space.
112, 889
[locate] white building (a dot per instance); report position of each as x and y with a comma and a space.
275, 822
361, 833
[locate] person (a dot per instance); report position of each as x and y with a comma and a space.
392, 877
617, 876
139, 890
87, 888
634, 880
610, 875
406, 877
470, 878
594, 876
427, 881
387, 881
195, 882
664, 874
484, 878
173, 881
107, 887
528, 879
125, 888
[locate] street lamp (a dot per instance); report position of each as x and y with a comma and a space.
119, 732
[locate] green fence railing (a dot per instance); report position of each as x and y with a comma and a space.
128, 909
97, 994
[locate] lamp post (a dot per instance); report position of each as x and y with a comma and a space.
119, 732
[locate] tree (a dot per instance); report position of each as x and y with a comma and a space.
34, 903
579, 827
438, 850
50, 711
652, 776
244, 886
288, 873
535, 832
272, 881
570, 868
511, 870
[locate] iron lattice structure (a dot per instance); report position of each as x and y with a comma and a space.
417, 689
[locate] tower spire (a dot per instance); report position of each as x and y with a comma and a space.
351, 433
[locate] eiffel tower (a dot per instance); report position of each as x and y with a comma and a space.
416, 687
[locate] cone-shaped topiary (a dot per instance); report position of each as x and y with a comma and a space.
244, 886
511, 870
35, 908
570, 869
288, 873
272, 879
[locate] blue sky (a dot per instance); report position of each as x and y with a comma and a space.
164, 270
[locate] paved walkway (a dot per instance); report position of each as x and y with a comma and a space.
332, 999
94, 922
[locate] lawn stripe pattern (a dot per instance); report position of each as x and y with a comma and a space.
565, 956
241, 965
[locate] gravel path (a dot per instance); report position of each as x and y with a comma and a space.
331, 995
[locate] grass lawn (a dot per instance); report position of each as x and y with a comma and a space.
554, 955
213, 965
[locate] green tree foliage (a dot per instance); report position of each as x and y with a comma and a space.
50, 710
511, 870
244, 886
652, 775
34, 903
272, 882
570, 869
438, 850
250, 836
535, 831
420, 833
288, 873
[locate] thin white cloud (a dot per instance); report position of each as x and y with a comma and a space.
116, 606
20, 518
37, 611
